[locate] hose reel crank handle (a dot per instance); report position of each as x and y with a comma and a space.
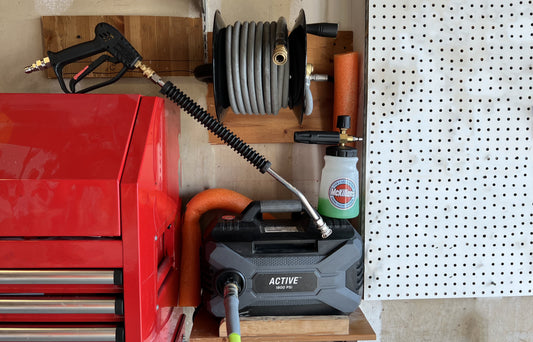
328, 30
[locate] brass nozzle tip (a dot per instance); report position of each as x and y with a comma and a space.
40, 64
280, 55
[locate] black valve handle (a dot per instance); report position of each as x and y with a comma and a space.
328, 30
343, 122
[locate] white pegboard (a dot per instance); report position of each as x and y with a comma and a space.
448, 162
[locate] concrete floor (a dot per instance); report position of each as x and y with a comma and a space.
483, 320
460, 320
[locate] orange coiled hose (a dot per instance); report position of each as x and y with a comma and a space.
205, 201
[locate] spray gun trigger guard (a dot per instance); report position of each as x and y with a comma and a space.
88, 69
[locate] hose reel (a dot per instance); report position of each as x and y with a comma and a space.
258, 68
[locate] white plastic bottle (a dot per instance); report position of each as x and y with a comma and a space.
339, 186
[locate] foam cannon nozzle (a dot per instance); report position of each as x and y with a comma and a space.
328, 137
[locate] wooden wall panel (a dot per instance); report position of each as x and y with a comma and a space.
170, 45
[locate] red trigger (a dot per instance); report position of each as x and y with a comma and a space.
79, 73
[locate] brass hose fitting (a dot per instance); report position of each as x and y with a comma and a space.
280, 54
40, 64
149, 73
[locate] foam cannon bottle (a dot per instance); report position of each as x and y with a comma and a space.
339, 185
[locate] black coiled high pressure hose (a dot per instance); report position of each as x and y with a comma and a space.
212, 124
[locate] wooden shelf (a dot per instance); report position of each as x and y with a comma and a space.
205, 329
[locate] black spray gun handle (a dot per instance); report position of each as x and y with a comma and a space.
107, 39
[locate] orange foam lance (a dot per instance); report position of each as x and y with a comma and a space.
346, 88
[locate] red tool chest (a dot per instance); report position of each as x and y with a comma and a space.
89, 220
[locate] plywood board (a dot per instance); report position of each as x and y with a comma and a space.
205, 329
170, 45
280, 128
293, 325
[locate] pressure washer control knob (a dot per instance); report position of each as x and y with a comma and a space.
343, 122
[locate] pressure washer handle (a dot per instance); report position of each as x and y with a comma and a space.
256, 208
317, 137
107, 39
60, 59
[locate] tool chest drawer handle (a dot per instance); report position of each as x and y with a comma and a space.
60, 306
84, 277
61, 334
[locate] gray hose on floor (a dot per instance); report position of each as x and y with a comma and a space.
256, 85
231, 308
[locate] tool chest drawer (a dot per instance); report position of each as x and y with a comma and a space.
60, 333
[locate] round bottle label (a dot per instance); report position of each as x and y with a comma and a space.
342, 193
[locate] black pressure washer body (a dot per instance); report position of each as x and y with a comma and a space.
283, 267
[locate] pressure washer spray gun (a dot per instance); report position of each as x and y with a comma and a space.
109, 39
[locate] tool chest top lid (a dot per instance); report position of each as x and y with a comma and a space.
61, 159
